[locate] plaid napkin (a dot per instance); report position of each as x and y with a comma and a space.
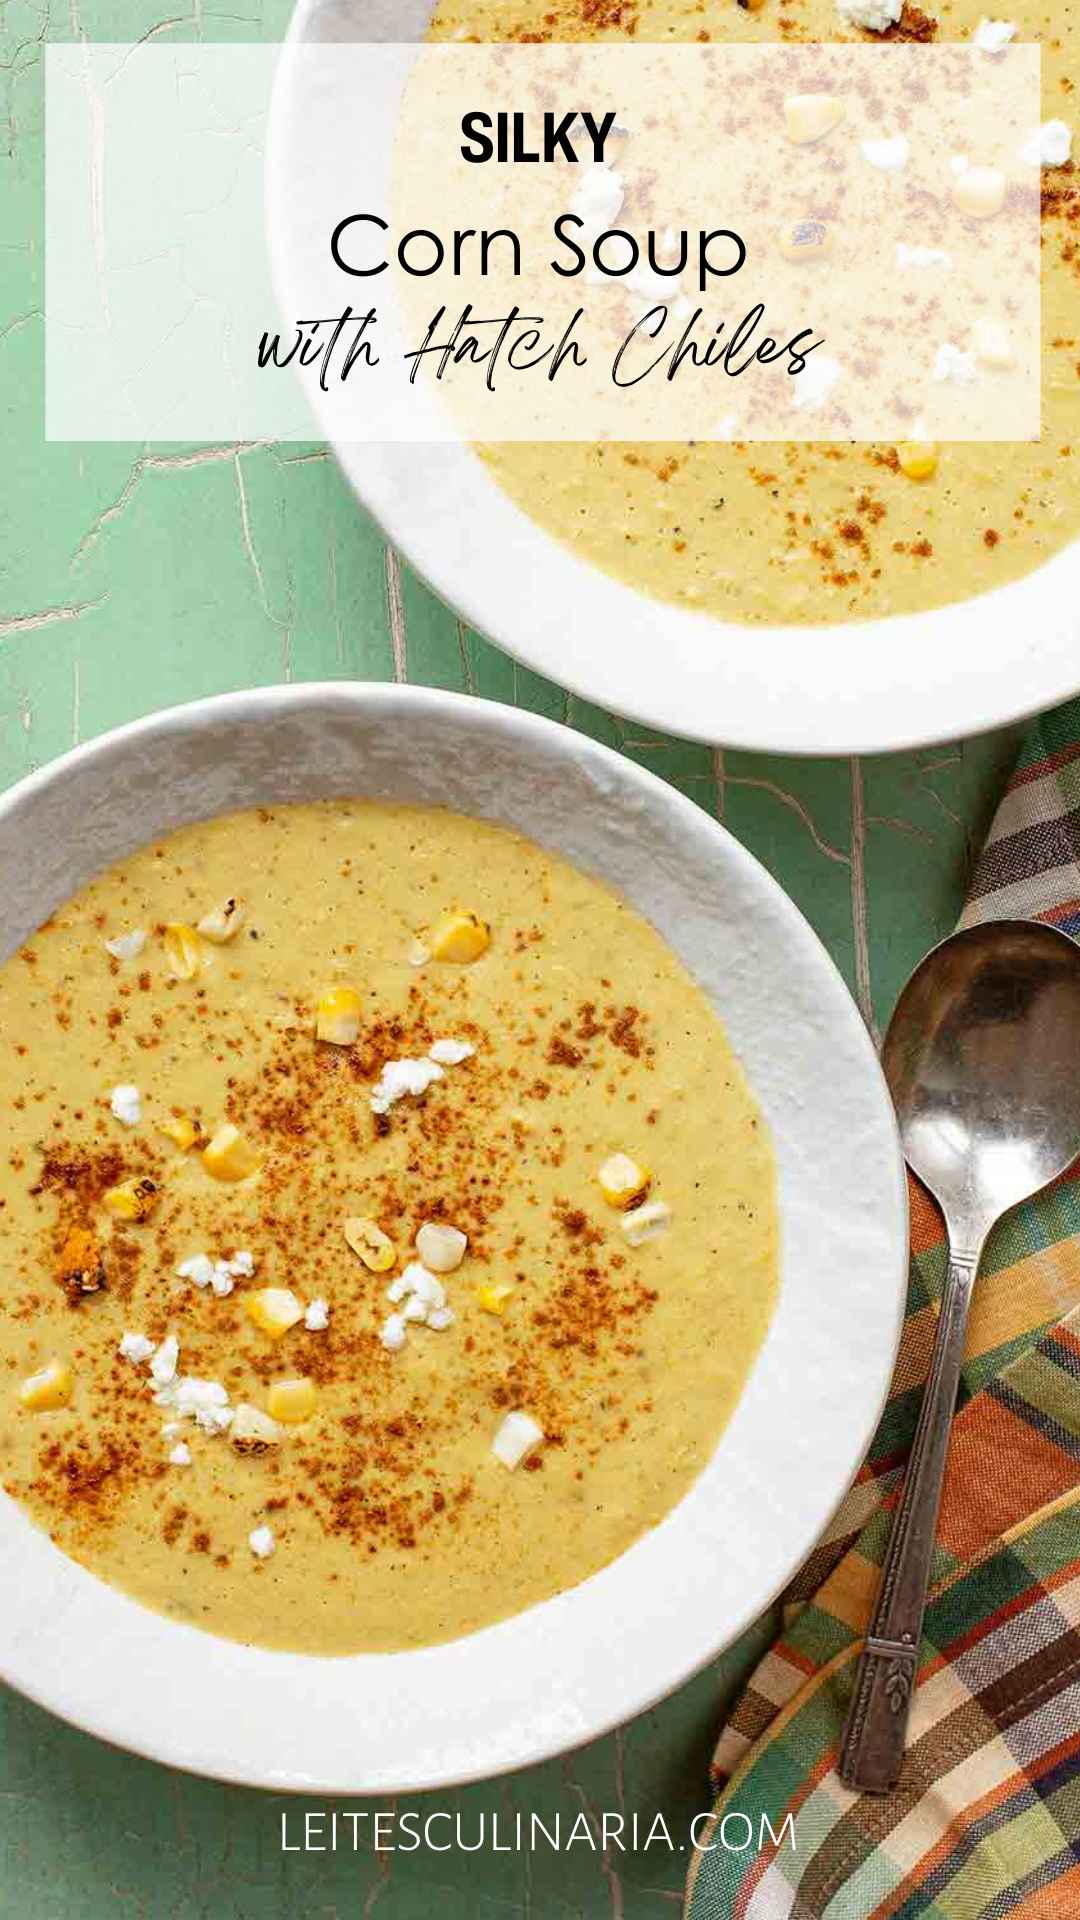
986, 1820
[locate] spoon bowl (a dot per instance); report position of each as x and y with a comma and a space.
982, 1057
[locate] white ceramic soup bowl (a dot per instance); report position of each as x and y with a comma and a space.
865, 687
563, 1671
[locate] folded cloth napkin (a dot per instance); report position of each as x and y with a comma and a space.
986, 1820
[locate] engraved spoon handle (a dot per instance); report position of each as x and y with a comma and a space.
872, 1749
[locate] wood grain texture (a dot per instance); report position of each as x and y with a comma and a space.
132, 577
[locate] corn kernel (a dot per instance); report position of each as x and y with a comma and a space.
224, 921
459, 936
79, 1267
337, 1017
646, 1223
132, 1199
918, 458
291, 1401
229, 1156
805, 240
810, 116
751, 6
367, 1239
184, 949
622, 1181
273, 1310
252, 1431
492, 1298
979, 192
182, 1131
49, 1388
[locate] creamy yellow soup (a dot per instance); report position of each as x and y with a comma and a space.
796, 532
240, 1377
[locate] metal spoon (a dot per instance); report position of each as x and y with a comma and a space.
982, 1057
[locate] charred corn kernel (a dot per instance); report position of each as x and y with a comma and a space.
337, 1017
182, 1131
805, 240
751, 6
79, 1267
252, 1430
367, 1239
273, 1310
441, 1248
918, 458
810, 116
184, 950
622, 1180
493, 1297
51, 1387
459, 936
979, 192
223, 921
229, 1156
291, 1401
132, 1199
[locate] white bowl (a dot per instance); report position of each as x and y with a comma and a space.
564, 1671
867, 687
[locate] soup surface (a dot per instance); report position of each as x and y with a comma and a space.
775, 532
162, 1279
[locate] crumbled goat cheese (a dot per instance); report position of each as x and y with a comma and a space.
127, 946
874, 15
126, 1103
316, 1316
262, 1543
401, 1077
518, 1435
199, 1270
816, 381
917, 259
217, 1274
598, 196
204, 1401
1049, 146
439, 1318
888, 155
993, 36
393, 1333
951, 363
180, 1455
450, 1053
136, 1347
242, 1264
163, 1364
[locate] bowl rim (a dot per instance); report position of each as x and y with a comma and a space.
112, 1721
889, 684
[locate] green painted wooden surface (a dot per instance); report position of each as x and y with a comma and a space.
131, 577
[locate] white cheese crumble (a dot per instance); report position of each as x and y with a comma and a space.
316, 1316
401, 1077
180, 1455
816, 381
874, 15
199, 1270
888, 155
218, 1275
393, 1333
450, 1053
1049, 146
262, 1543
439, 1318
126, 1104
951, 363
163, 1364
136, 1347
204, 1401
919, 259
993, 36
598, 196
518, 1436
127, 946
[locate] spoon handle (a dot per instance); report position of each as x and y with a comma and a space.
872, 1749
